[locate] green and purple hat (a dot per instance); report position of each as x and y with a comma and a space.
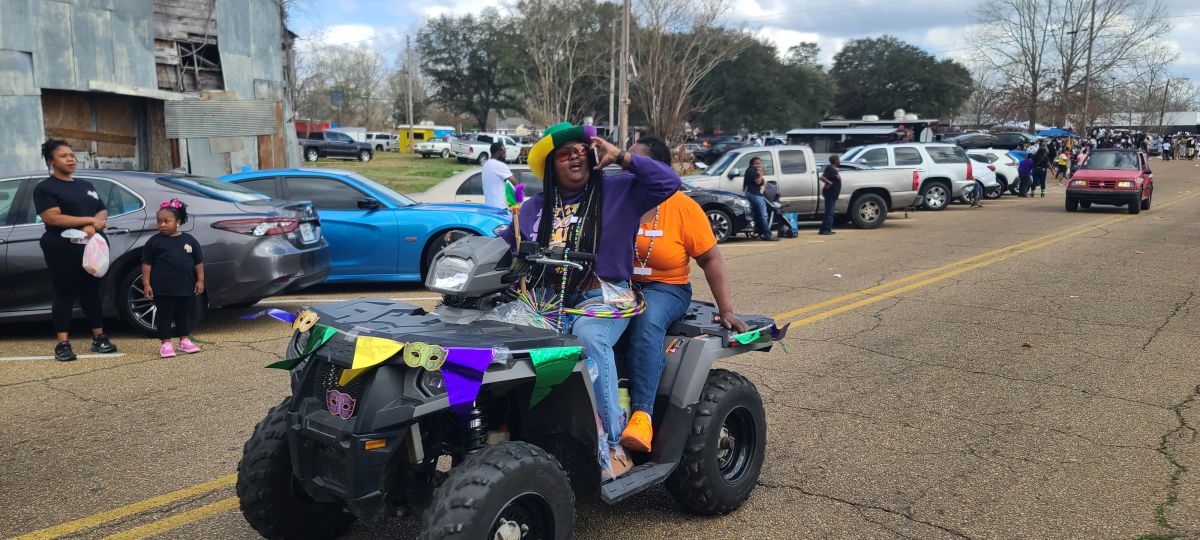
554, 138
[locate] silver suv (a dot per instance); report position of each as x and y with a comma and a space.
945, 170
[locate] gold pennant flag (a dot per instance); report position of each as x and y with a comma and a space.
369, 352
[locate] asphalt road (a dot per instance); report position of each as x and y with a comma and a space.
1014, 371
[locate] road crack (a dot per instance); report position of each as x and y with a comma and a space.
1181, 435
860, 507
1181, 306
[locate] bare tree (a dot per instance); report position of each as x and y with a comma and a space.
345, 84
1018, 37
557, 36
677, 44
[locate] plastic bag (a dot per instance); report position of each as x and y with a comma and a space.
95, 256
519, 313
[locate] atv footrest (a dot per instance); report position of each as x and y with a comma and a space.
635, 481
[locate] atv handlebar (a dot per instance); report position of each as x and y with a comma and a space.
556, 262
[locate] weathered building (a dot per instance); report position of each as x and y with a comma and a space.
199, 85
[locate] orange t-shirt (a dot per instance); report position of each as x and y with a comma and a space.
682, 233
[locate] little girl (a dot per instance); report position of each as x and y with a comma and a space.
172, 276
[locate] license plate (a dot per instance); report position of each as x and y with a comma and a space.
307, 235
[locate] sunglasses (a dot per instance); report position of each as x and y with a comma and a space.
567, 153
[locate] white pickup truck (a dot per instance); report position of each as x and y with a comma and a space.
433, 147
477, 147
866, 197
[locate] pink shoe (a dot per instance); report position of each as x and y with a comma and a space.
166, 350
187, 346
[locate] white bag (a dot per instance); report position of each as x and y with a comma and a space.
95, 256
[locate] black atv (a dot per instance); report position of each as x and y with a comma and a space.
507, 470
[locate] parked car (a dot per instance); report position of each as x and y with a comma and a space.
728, 213
945, 170
254, 247
1120, 177
867, 195
985, 177
477, 147
357, 133
433, 147
710, 155
374, 233
383, 142
467, 186
1005, 163
1011, 140
333, 144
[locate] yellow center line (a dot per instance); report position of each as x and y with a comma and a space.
177, 520
78, 525
865, 297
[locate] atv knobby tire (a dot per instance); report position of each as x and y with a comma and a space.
272, 502
712, 479
495, 482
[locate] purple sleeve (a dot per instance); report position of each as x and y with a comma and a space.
526, 216
653, 182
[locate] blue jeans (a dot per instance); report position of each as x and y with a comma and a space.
597, 336
1039, 179
830, 210
758, 205
665, 304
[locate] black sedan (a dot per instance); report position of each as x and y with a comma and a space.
254, 247
728, 213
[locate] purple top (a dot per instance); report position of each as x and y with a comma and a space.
626, 197
1025, 167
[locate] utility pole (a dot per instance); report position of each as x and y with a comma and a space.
1162, 115
1087, 81
612, 80
408, 75
623, 131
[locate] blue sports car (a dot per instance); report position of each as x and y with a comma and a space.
374, 233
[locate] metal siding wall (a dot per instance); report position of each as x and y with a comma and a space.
133, 41
21, 132
94, 45
16, 25
205, 119
54, 57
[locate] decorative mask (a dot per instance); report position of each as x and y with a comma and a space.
339, 404
305, 320
430, 357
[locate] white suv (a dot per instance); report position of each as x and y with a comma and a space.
945, 170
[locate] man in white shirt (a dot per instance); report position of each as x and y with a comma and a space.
495, 174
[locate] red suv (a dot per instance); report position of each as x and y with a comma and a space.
1112, 176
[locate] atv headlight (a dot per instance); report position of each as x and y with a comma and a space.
451, 274
432, 383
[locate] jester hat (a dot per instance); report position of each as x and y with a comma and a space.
554, 138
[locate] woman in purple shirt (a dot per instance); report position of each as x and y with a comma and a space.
583, 210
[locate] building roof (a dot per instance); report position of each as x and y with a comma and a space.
843, 131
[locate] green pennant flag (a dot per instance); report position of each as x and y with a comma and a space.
551, 365
320, 334
746, 338
510, 194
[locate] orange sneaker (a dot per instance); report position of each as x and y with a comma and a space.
638, 433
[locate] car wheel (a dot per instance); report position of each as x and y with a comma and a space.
462, 160
379, 148
722, 225
483, 157
1135, 206
364, 156
1072, 205
1003, 185
445, 154
937, 196
311, 154
868, 211
437, 244
993, 192
1146, 202
424, 155
139, 312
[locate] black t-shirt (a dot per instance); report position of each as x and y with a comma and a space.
172, 261
77, 198
835, 178
749, 182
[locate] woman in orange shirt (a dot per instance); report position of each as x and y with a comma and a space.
669, 237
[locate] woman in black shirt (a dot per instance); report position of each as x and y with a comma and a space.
65, 203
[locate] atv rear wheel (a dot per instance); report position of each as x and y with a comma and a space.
724, 452
272, 501
510, 490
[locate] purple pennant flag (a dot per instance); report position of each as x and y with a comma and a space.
778, 333
463, 373
276, 313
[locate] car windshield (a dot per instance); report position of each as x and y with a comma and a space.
849, 155
383, 190
1118, 161
211, 188
719, 167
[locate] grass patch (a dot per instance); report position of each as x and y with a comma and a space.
405, 173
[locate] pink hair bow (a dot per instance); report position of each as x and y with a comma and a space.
173, 203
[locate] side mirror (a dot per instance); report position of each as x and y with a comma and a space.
734, 173
368, 203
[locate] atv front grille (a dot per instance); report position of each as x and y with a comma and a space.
327, 379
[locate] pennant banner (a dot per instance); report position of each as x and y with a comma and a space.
430, 357
760, 335
276, 313
368, 353
551, 365
320, 334
463, 373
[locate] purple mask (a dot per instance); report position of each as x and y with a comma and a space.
339, 404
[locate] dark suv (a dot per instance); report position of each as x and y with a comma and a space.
326, 144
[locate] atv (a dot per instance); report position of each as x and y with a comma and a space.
387, 443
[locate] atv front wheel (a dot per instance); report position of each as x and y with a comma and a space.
509, 490
272, 501
724, 452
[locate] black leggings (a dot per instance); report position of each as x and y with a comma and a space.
173, 309
65, 261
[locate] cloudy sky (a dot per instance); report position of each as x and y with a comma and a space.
942, 27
